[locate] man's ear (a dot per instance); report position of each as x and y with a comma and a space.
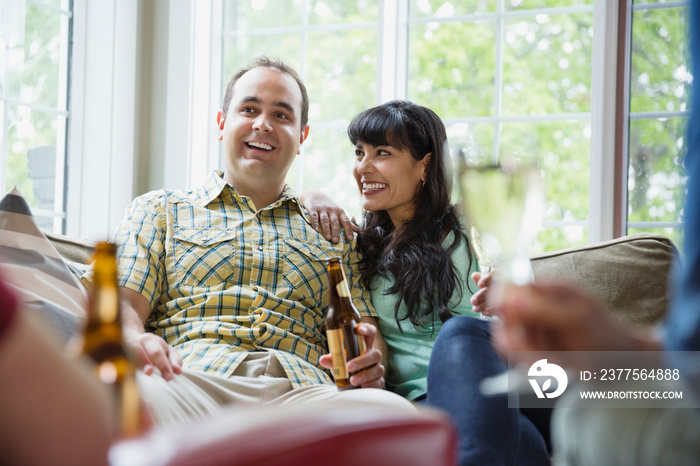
220, 121
303, 136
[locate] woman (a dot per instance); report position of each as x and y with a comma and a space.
416, 261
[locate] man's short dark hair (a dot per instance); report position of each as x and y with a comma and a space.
276, 64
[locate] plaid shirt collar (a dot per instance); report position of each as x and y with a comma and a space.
216, 187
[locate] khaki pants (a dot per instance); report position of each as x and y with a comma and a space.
259, 380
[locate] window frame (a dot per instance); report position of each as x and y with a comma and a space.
624, 116
61, 109
197, 92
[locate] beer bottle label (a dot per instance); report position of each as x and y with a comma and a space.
106, 306
360, 340
343, 289
337, 348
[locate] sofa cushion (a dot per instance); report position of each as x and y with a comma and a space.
77, 253
36, 272
628, 275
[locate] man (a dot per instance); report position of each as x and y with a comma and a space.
224, 286
557, 317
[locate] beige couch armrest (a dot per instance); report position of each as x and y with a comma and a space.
628, 275
72, 249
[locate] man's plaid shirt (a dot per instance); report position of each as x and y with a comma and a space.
224, 279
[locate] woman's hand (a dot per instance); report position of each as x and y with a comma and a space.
478, 300
327, 217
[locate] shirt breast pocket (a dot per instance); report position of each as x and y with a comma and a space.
304, 267
204, 257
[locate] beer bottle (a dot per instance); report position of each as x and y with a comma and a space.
103, 341
341, 321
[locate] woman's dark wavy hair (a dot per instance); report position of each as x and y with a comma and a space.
425, 277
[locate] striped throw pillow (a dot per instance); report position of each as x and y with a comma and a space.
36, 273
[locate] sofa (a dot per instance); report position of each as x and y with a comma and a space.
628, 276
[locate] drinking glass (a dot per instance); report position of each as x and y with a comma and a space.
486, 261
503, 206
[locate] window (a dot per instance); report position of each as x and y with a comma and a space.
507, 77
659, 93
334, 47
519, 85
35, 47
523, 77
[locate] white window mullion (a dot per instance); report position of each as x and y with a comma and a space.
601, 193
74, 191
392, 56
206, 62
387, 35
303, 54
304, 39
498, 85
401, 76
624, 201
61, 134
215, 72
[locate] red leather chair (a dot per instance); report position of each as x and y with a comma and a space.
321, 434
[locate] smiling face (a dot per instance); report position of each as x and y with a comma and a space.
261, 131
388, 179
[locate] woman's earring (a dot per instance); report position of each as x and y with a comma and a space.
422, 183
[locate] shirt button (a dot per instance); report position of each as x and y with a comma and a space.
260, 247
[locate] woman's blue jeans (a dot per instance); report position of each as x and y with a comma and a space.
490, 433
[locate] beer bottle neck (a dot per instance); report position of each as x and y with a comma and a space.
104, 297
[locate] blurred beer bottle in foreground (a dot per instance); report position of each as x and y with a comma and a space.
104, 344
342, 319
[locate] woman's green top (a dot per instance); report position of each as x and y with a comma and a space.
409, 349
